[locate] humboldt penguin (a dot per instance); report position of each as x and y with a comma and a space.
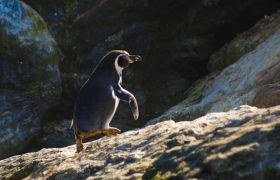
99, 97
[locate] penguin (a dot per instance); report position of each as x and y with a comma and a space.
99, 97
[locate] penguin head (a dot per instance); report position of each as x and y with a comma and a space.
123, 59
119, 59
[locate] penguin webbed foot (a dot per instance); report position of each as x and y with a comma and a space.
111, 131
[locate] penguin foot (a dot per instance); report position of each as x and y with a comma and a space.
79, 144
111, 131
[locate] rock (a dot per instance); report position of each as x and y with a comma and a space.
244, 43
252, 80
267, 96
224, 145
30, 79
54, 134
234, 150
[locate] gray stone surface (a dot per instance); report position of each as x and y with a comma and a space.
29, 75
242, 143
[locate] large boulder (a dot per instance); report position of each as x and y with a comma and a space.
30, 79
242, 143
252, 80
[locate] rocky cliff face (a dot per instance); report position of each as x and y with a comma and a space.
239, 144
29, 75
175, 39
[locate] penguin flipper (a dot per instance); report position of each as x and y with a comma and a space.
126, 96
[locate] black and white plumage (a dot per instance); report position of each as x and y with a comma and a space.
99, 97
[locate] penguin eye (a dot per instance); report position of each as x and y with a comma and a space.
125, 56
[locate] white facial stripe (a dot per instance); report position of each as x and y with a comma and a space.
118, 68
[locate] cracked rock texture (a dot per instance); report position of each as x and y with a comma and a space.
242, 143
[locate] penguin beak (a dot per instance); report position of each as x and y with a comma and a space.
133, 58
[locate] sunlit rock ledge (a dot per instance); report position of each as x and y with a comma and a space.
242, 143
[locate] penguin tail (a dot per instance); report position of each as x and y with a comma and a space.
72, 123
